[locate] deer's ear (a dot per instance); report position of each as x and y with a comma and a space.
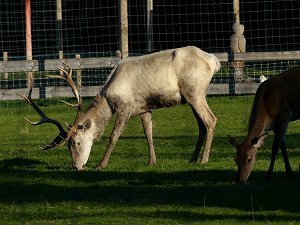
232, 140
86, 125
259, 141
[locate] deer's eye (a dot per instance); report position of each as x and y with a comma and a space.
249, 160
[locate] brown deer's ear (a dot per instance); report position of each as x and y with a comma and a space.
86, 125
259, 141
232, 141
254, 140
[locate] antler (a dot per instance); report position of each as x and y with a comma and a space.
67, 76
63, 136
60, 139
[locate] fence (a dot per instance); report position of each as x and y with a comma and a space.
92, 36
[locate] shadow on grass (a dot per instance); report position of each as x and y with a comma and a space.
18, 162
205, 188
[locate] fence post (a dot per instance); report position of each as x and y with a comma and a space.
78, 73
61, 57
237, 44
59, 39
236, 10
28, 36
149, 25
5, 59
123, 28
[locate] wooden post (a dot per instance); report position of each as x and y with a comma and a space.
78, 72
149, 26
61, 56
123, 28
28, 36
59, 39
28, 30
236, 10
5, 59
237, 45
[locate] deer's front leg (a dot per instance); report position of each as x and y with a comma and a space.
279, 141
120, 123
147, 125
288, 168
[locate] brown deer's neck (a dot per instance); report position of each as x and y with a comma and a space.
258, 124
100, 113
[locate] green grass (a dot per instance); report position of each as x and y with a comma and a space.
40, 187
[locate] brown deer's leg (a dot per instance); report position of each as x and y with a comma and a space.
279, 132
121, 121
147, 126
288, 168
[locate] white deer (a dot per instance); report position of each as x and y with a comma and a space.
276, 103
135, 87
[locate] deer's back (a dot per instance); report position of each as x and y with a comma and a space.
279, 96
155, 80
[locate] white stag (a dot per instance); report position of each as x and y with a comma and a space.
276, 103
135, 87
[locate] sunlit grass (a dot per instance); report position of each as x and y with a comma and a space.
38, 187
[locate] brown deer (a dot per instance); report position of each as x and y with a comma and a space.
135, 87
276, 103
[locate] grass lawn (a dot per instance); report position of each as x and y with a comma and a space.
40, 187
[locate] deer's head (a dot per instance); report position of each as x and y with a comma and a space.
80, 140
245, 155
78, 136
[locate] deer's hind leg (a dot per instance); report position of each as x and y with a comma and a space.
206, 124
201, 137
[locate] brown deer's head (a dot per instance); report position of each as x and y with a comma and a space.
78, 136
245, 155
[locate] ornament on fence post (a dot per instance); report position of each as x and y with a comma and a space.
238, 44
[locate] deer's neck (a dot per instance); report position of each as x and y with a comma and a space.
100, 113
258, 124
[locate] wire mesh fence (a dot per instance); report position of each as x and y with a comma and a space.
92, 29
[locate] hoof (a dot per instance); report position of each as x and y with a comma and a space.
204, 158
101, 167
204, 161
193, 160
